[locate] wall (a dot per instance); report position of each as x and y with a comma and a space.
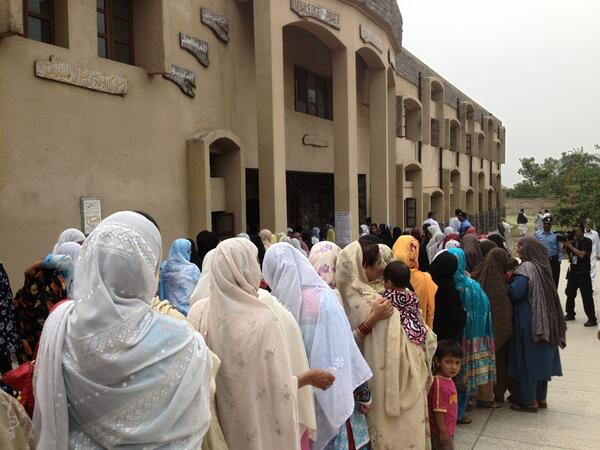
530, 205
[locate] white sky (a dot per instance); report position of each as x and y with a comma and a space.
535, 64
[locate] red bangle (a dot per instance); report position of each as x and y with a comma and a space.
365, 328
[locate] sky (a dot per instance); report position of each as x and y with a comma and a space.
534, 64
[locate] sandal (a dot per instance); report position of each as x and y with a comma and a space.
488, 404
464, 421
543, 405
524, 408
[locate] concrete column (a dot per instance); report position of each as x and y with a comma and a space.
425, 208
345, 137
268, 55
444, 215
199, 194
378, 155
391, 151
426, 102
399, 194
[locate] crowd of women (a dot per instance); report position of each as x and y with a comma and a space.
272, 341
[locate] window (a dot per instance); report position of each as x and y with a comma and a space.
410, 208
39, 20
457, 159
312, 94
115, 30
470, 171
469, 144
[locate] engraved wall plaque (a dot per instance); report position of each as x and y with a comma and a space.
217, 23
392, 58
325, 15
369, 37
185, 79
315, 141
196, 47
56, 70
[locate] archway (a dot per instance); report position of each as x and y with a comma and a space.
437, 117
216, 183
413, 114
471, 203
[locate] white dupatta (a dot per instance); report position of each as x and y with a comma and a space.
327, 335
110, 372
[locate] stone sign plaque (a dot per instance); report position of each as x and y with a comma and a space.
315, 141
185, 79
217, 23
368, 37
56, 70
392, 58
325, 15
196, 47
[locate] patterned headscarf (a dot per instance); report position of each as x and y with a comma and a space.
406, 249
472, 249
323, 257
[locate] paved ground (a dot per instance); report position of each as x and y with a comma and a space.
572, 420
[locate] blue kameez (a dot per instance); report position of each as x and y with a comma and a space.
531, 363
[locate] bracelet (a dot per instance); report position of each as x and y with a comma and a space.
365, 328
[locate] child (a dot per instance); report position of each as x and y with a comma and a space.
443, 399
398, 291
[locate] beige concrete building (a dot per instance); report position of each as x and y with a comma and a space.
229, 114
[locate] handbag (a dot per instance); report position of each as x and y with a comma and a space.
20, 381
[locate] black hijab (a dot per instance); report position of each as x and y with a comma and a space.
194, 258
450, 316
206, 240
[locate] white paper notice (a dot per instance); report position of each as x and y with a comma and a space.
343, 228
91, 214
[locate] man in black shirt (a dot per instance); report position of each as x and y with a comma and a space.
578, 276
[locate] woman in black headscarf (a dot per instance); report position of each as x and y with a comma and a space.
396, 233
194, 258
206, 241
450, 316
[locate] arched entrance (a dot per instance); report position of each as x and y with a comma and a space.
216, 183
471, 203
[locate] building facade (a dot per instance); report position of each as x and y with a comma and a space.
229, 115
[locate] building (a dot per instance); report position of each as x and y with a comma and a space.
229, 114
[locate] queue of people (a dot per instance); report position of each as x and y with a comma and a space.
276, 341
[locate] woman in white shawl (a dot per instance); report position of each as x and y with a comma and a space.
111, 372
257, 391
69, 235
327, 335
435, 244
401, 375
202, 289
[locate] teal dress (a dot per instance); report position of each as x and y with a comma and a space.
477, 337
357, 424
531, 364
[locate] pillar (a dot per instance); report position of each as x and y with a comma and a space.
378, 155
391, 151
399, 196
345, 137
443, 215
268, 54
199, 194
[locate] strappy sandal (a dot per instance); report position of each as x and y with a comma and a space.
464, 421
524, 408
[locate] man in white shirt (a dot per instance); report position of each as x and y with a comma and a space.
538, 221
454, 223
431, 219
592, 235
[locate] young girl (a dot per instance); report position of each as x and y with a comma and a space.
398, 291
443, 398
